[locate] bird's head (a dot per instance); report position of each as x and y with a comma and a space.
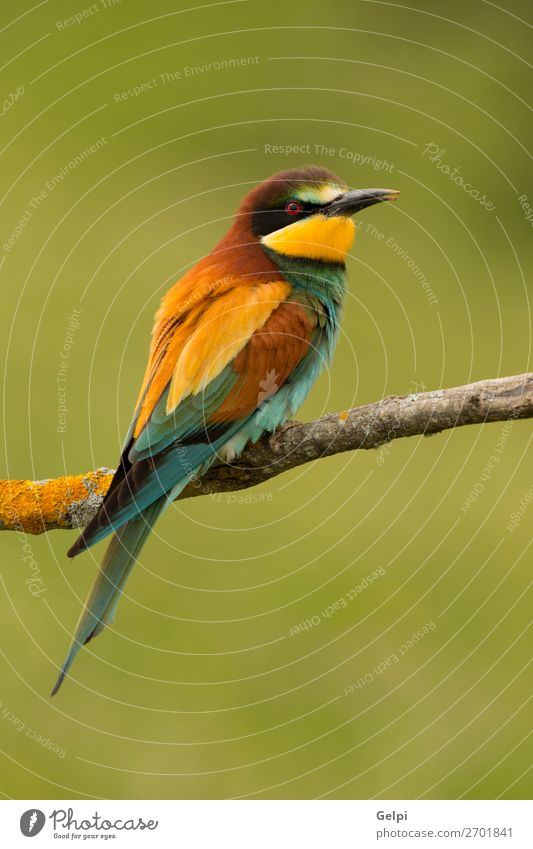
307, 213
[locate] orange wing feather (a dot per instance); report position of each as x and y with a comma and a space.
202, 324
224, 328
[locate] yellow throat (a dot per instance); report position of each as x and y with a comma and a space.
317, 237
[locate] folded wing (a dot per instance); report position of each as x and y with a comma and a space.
211, 367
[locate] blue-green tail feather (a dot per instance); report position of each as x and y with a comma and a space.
119, 559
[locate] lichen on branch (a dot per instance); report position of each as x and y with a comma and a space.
65, 502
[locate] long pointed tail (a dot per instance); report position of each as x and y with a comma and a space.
119, 559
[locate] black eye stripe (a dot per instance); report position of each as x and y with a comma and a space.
266, 221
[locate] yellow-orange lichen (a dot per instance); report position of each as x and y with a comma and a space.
38, 506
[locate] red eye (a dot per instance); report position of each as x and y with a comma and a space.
293, 207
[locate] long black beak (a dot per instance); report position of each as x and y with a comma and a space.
354, 201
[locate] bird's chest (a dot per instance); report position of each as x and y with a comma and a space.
321, 290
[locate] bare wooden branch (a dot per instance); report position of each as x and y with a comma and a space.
69, 502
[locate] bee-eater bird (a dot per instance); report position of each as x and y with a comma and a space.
237, 344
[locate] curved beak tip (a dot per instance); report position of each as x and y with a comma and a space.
358, 199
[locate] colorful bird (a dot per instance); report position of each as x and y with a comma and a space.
237, 344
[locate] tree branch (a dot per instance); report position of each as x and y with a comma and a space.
69, 502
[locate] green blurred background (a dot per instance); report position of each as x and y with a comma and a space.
200, 690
